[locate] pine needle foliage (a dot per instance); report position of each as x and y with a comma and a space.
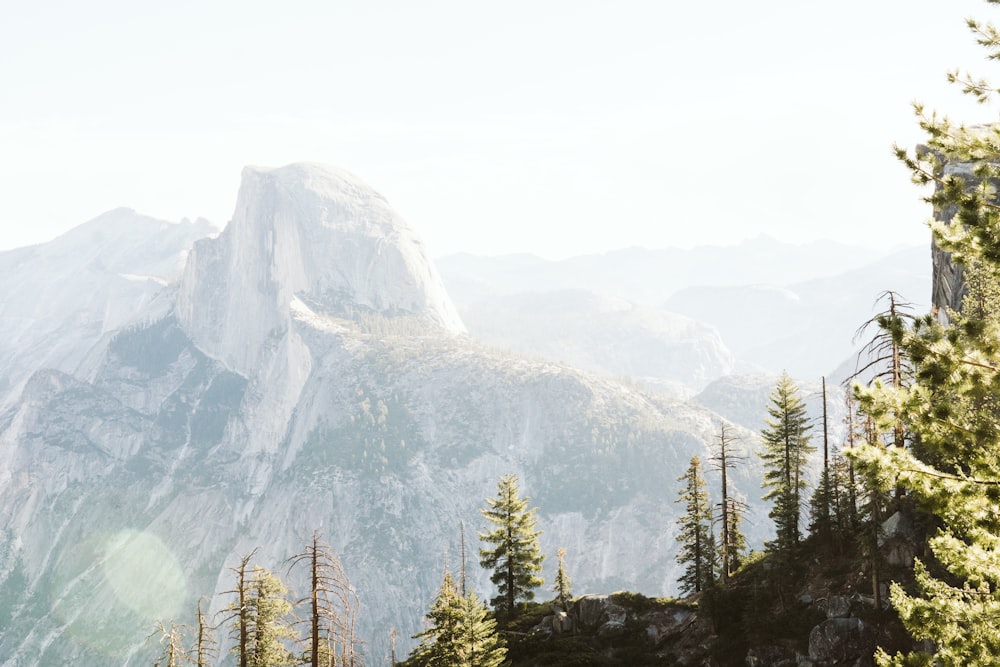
563, 585
953, 469
512, 549
697, 552
785, 440
461, 632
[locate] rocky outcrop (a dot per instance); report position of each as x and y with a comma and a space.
772, 656
898, 540
840, 642
621, 626
310, 232
948, 286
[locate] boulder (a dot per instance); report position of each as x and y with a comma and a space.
662, 624
771, 656
838, 606
589, 610
898, 540
562, 623
840, 641
612, 621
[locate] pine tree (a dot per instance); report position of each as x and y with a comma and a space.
823, 499
696, 554
723, 460
479, 645
269, 612
515, 556
439, 642
786, 446
737, 550
460, 633
563, 587
260, 617
953, 469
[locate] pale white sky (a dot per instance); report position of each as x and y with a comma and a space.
556, 127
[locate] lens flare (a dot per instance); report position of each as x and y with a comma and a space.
144, 574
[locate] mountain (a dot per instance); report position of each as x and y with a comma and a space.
651, 277
604, 334
764, 306
307, 371
806, 328
59, 299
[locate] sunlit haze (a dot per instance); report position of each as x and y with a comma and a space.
555, 128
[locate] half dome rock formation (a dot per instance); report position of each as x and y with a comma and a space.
314, 233
304, 374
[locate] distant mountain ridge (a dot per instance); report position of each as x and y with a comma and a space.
772, 306
651, 276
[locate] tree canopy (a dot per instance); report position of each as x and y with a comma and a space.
950, 409
512, 550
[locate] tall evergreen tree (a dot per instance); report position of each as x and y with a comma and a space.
822, 506
260, 617
696, 554
737, 550
564, 586
460, 633
439, 641
514, 554
786, 446
954, 468
269, 620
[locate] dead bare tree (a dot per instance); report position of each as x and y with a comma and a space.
333, 606
172, 638
884, 358
239, 610
722, 460
206, 648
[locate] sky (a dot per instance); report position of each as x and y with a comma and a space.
554, 127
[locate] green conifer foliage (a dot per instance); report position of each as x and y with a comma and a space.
563, 586
513, 552
479, 645
953, 470
737, 550
261, 619
786, 445
460, 633
697, 552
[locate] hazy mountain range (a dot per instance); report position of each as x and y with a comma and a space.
678, 319
173, 396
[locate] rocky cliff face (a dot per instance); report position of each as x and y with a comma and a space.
308, 232
306, 373
948, 282
58, 300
